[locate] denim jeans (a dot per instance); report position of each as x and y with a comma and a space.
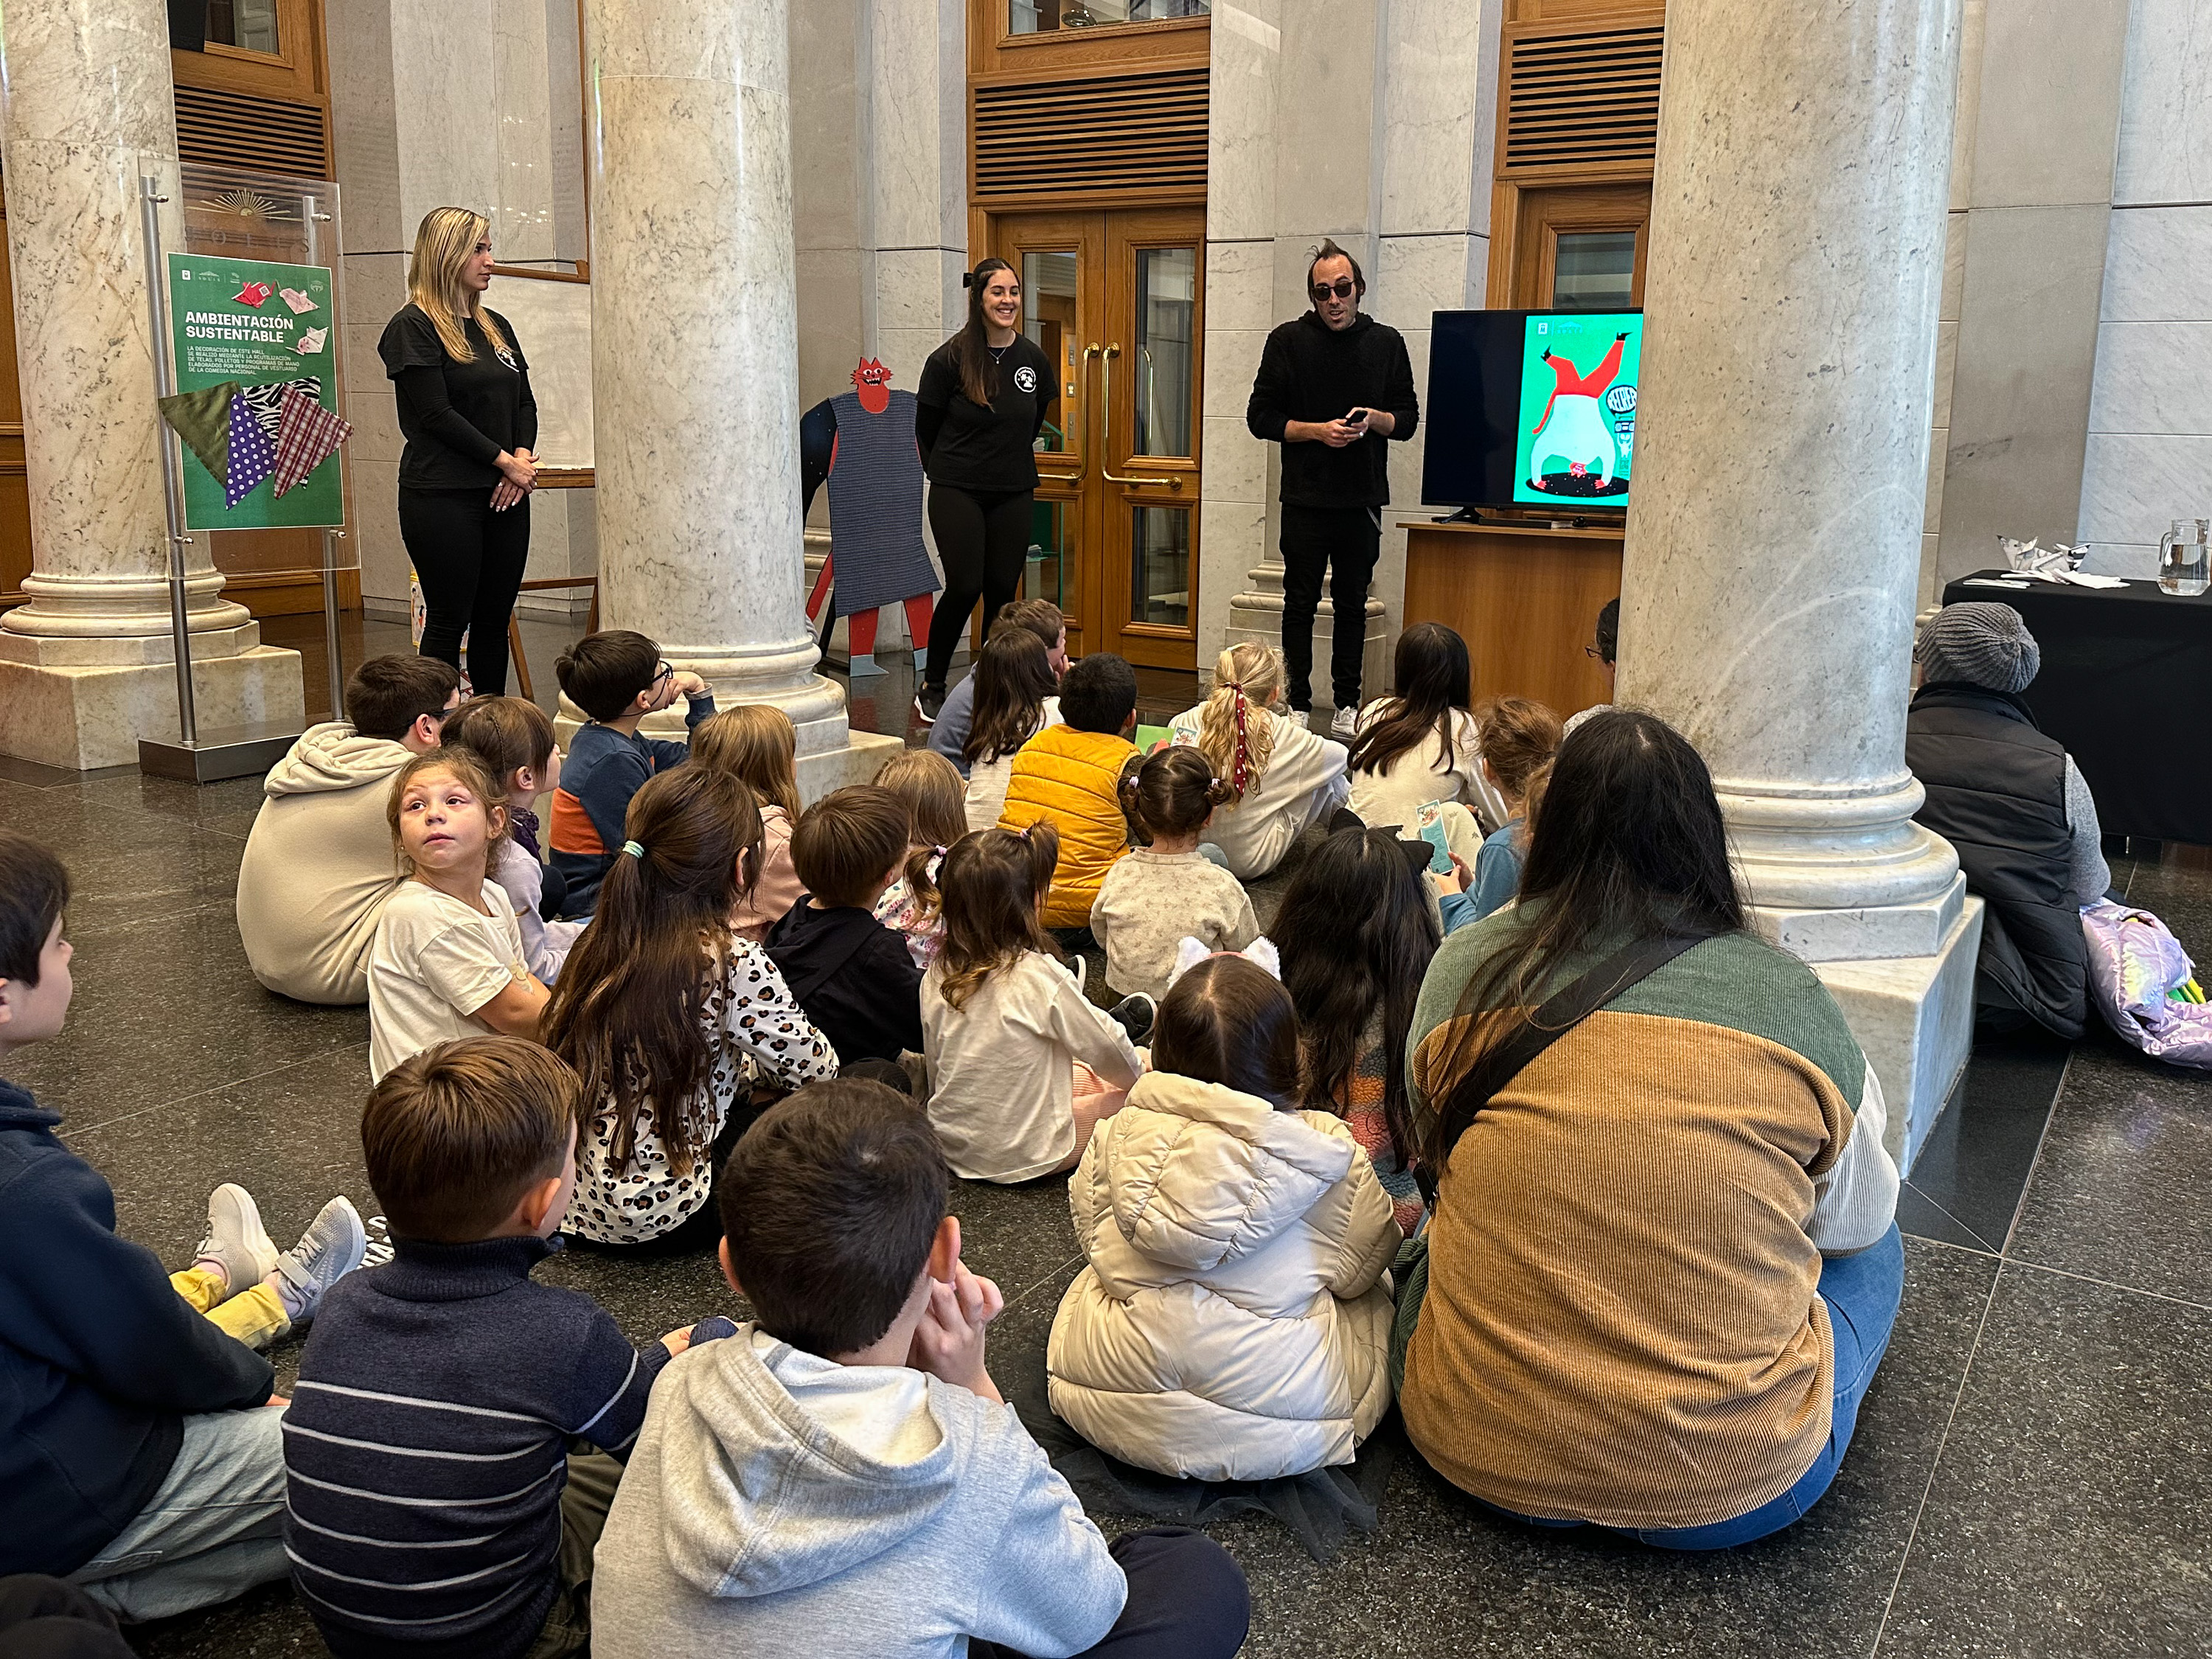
1863, 1292
212, 1530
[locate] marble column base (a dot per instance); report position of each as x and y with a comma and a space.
1869, 933
1257, 615
1914, 1016
83, 716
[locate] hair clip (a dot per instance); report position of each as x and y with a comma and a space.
967, 279
634, 849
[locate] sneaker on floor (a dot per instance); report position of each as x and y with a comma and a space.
1344, 724
237, 1245
331, 1247
928, 703
1134, 1014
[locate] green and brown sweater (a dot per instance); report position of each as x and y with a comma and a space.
1623, 1322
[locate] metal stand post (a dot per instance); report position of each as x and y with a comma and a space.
330, 651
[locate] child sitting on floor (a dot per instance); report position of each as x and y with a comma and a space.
930, 788
1069, 777
843, 1475
1519, 738
1355, 934
665, 1098
755, 743
1016, 698
1234, 1322
448, 958
1021, 1065
512, 740
617, 678
138, 1451
1168, 890
1420, 744
852, 974
435, 1505
1281, 779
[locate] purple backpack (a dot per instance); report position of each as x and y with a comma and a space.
2134, 962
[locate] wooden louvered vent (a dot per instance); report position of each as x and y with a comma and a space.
1118, 136
241, 129
1581, 99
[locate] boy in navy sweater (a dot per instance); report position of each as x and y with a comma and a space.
138, 1443
436, 1509
616, 677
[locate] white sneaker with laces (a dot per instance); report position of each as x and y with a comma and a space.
237, 1245
1344, 726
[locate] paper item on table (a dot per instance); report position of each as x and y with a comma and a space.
1995, 581
2026, 558
2081, 579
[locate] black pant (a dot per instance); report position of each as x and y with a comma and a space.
983, 540
469, 560
1188, 1600
43, 1618
1315, 540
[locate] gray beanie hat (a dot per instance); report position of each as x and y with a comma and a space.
1981, 642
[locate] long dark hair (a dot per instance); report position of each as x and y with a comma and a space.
971, 346
991, 888
1630, 845
625, 1011
1013, 676
1429, 684
1356, 934
1228, 1022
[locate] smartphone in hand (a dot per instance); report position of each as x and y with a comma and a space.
1357, 417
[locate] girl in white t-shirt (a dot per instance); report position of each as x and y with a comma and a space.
1014, 701
448, 959
671, 1017
1419, 744
1280, 779
513, 739
1021, 1065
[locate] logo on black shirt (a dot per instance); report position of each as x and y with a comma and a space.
1025, 378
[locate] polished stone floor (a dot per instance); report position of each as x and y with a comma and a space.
2032, 1473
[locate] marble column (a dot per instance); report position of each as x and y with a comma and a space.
695, 362
87, 667
1773, 546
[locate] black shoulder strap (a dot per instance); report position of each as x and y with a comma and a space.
1554, 1018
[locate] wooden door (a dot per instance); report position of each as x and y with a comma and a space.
1115, 300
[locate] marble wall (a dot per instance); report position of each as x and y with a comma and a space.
2150, 419
1369, 121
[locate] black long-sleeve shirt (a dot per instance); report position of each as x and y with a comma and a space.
456, 417
1311, 372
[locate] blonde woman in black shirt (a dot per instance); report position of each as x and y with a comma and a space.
982, 401
471, 423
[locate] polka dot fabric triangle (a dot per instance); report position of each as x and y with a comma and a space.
252, 456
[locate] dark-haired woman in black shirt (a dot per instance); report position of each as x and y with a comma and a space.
471, 423
983, 398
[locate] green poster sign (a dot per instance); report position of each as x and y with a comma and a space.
258, 328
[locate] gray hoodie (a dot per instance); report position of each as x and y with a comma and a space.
776, 1503
320, 864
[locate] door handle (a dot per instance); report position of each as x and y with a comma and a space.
1173, 482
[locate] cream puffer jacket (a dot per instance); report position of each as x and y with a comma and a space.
1234, 1322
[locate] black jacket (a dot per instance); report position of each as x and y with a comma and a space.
100, 1359
854, 978
1996, 791
1311, 372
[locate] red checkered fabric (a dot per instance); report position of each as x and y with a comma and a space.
307, 434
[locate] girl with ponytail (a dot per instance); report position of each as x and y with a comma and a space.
670, 1017
1279, 776
1021, 1065
1167, 889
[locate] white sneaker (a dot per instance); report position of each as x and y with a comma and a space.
331, 1247
1344, 726
237, 1245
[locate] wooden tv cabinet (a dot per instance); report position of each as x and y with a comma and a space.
1524, 597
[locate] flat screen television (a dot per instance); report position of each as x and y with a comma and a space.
1531, 409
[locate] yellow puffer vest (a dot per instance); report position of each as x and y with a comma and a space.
1067, 778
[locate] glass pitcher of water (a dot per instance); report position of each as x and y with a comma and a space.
2185, 557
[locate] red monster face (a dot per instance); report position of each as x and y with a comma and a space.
873, 381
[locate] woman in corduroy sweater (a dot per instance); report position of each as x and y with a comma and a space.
1663, 1262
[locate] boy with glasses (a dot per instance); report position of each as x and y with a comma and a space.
617, 678
1333, 387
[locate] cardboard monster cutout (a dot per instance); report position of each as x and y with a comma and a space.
875, 473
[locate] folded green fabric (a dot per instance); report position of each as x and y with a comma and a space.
202, 419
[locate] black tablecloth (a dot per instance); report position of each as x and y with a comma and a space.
2127, 687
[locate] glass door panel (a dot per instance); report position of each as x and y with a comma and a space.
1159, 566
1165, 308
1051, 303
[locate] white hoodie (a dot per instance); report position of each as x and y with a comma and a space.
778, 1503
1234, 1323
1304, 782
320, 864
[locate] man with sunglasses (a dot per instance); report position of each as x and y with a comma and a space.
1333, 388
